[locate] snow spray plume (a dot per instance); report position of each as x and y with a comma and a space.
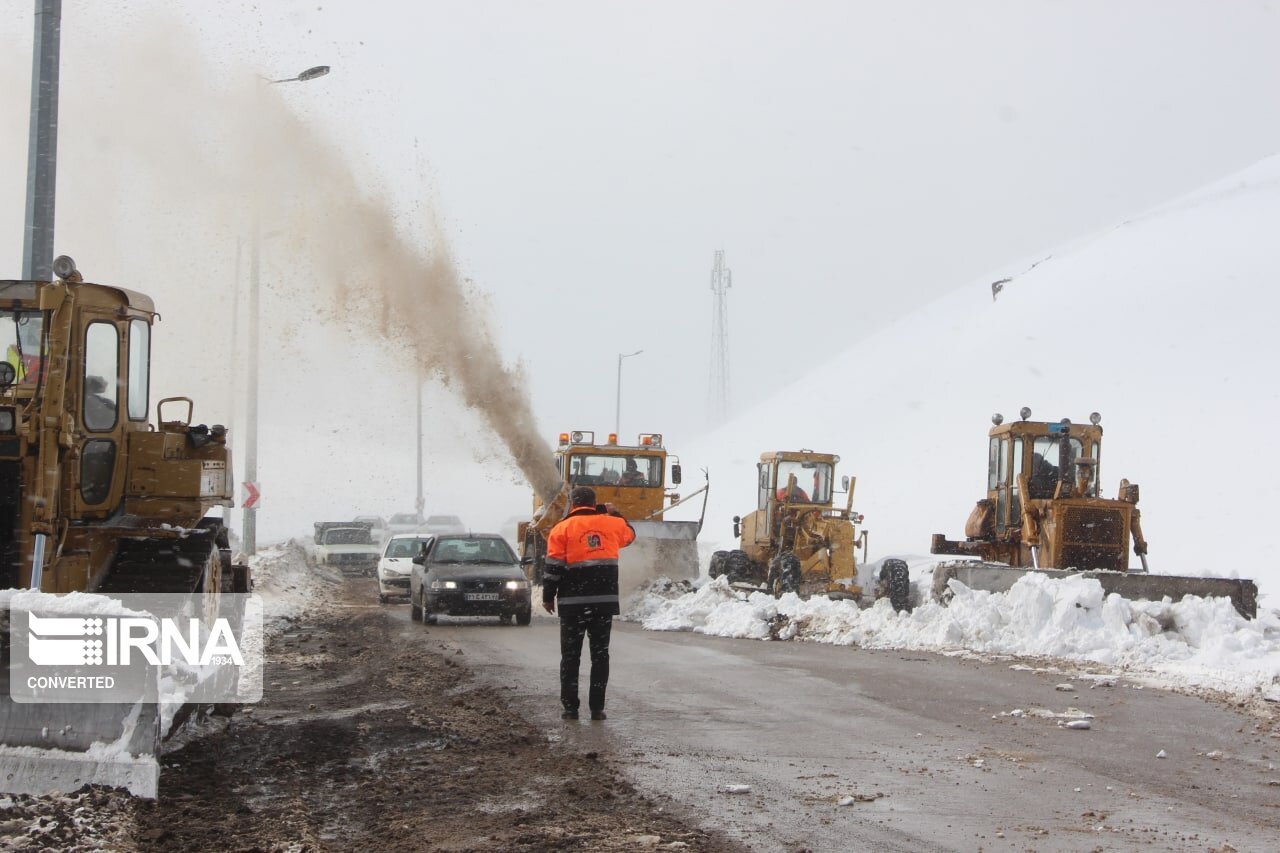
180, 165
393, 291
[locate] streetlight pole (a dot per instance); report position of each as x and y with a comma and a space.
617, 415
420, 503
249, 533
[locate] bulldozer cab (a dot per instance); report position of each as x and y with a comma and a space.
1054, 460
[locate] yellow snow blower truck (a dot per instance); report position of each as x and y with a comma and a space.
94, 497
633, 478
1044, 513
798, 541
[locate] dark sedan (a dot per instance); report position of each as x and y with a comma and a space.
469, 575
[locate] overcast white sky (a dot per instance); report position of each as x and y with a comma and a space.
853, 159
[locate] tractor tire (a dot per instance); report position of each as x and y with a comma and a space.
785, 571
895, 581
738, 567
716, 568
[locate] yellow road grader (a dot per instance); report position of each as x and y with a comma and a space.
1044, 513
798, 541
634, 478
94, 497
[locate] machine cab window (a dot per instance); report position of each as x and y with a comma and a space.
615, 470
1049, 465
812, 482
101, 377
22, 335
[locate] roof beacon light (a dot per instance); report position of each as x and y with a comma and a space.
564, 438
1095, 418
646, 440
613, 438
997, 419
1025, 413
63, 267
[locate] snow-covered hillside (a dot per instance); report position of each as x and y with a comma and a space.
1166, 324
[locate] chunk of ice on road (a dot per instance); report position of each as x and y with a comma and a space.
845, 801
737, 789
1162, 754
1065, 687
1077, 724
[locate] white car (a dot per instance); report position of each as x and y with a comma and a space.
351, 550
397, 563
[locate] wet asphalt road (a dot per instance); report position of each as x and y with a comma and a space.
922, 741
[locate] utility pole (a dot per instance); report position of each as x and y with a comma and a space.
42, 145
721, 281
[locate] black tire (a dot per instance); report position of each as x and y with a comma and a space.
785, 571
895, 581
382, 599
524, 617
415, 609
716, 568
429, 618
505, 618
738, 567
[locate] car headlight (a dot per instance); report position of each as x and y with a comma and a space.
515, 584
444, 584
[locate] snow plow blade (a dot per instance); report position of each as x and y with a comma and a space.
58, 747
662, 549
1131, 585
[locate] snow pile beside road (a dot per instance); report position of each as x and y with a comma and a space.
1194, 642
284, 580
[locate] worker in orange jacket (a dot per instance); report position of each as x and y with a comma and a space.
581, 581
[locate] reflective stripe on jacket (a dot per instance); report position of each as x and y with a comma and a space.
581, 569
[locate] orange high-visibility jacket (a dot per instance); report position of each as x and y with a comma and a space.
582, 562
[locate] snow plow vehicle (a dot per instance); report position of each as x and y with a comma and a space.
633, 478
798, 541
1044, 513
96, 498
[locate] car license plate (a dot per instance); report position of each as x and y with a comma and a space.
482, 596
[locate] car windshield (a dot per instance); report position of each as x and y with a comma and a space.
813, 482
404, 519
347, 536
405, 547
472, 551
451, 520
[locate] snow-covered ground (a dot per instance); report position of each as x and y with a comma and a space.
1164, 324
1191, 643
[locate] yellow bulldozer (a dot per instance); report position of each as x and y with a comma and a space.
633, 478
798, 541
94, 496
1044, 513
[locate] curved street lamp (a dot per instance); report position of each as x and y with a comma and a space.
617, 415
249, 531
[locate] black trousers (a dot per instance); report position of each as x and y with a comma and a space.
572, 631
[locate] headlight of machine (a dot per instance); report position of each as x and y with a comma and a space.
444, 584
516, 584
